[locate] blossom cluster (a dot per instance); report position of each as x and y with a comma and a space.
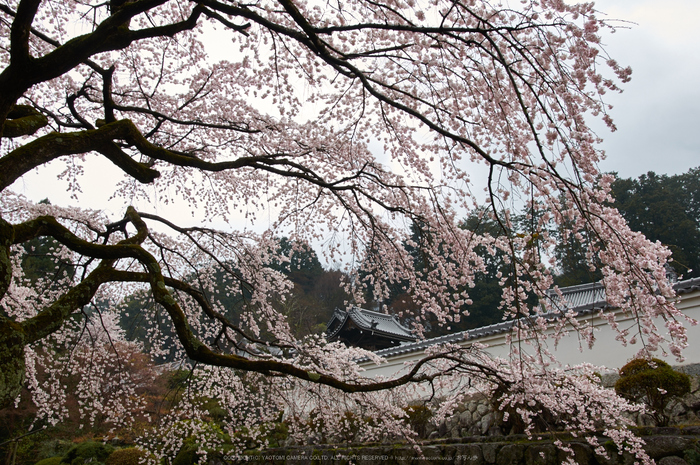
346, 124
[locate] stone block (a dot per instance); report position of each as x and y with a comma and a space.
432, 455
482, 409
511, 454
583, 453
672, 460
659, 447
468, 454
541, 454
442, 429
465, 418
489, 452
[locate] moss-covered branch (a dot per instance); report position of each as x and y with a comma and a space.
52, 317
14, 336
113, 33
55, 145
12, 365
199, 351
48, 319
23, 120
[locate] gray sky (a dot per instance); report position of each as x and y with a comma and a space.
658, 114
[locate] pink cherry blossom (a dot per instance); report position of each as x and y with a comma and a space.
338, 124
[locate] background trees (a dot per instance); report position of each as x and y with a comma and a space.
663, 208
342, 123
666, 209
485, 294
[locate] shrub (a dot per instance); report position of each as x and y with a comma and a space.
178, 379
418, 418
653, 383
87, 452
692, 457
276, 434
50, 461
51, 448
188, 455
128, 456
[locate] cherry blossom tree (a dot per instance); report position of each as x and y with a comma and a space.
343, 123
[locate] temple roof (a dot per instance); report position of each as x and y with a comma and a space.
367, 328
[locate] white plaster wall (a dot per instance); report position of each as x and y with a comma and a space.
606, 351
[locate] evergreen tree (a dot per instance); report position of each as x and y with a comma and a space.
666, 209
573, 267
486, 293
303, 267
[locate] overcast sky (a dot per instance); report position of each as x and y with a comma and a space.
658, 114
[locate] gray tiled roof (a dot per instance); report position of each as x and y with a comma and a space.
421, 345
368, 320
689, 285
582, 299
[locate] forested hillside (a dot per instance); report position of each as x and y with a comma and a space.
316, 293
666, 209
663, 208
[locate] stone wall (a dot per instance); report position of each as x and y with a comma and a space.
475, 435
668, 446
478, 417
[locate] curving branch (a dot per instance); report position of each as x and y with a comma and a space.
479, 83
54, 145
20, 32
111, 34
51, 318
23, 120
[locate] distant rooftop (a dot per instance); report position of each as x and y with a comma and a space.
367, 329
